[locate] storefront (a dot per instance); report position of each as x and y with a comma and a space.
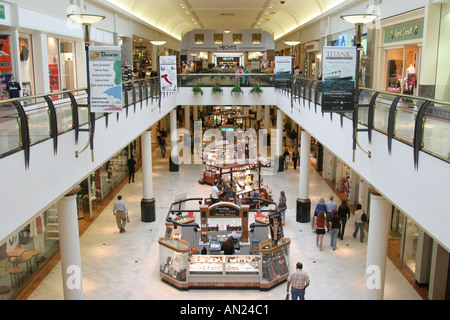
402, 46
61, 64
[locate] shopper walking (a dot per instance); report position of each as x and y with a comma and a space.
331, 206
295, 156
335, 224
344, 215
282, 206
319, 228
359, 224
162, 145
298, 280
319, 207
286, 157
120, 210
131, 163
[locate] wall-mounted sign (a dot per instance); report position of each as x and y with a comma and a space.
5, 53
2, 12
339, 68
408, 31
226, 47
168, 73
105, 77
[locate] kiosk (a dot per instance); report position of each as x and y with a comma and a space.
190, 255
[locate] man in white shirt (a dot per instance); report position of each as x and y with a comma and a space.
215, 193
120, 210
331, 205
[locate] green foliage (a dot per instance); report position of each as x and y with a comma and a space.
256, 90
197, 90
237, 90
217, 89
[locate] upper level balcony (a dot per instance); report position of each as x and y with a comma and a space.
41, 139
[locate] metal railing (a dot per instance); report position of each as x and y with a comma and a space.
29, 120
424, 124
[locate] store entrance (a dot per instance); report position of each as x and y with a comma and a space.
402, 70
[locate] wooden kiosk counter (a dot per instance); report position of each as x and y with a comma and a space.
190, 255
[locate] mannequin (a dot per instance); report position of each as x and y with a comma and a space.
410, 80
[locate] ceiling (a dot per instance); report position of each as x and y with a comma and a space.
177, 17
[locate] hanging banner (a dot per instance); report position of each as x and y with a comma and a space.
168, 73
338, 74
5, 53
105, 77
283, 70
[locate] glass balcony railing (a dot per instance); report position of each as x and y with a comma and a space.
422, 123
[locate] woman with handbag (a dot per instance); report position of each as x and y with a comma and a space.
282, 206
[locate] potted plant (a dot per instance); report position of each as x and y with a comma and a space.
237, 90
256, 90
197, 91
217, 89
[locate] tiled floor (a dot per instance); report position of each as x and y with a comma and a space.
124, 266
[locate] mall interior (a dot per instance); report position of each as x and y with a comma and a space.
226, 117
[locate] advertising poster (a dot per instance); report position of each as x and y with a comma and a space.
283, 69
105, 76
276, 226
339, 67
53, 76
168, 73
5, 53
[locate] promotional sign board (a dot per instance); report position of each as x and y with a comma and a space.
276, 226
5, 53
283, 70
105, 77
338, 85
168, 73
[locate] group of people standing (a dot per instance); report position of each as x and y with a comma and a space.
328, 217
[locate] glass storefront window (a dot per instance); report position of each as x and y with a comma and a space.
67, 63
410, 244
23, 253
26, 64
402, 70
61, 64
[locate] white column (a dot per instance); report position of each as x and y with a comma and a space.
195, 113
173, 122
266, 117
40, 57
380, 212
69, 246
303, 180
187, 118
279, 132
147, 171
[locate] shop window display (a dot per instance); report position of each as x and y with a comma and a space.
23, 253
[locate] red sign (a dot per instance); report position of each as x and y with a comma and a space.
5, 53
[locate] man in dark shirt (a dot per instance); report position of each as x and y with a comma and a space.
131, 168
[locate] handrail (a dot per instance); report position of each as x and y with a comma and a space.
19, 136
